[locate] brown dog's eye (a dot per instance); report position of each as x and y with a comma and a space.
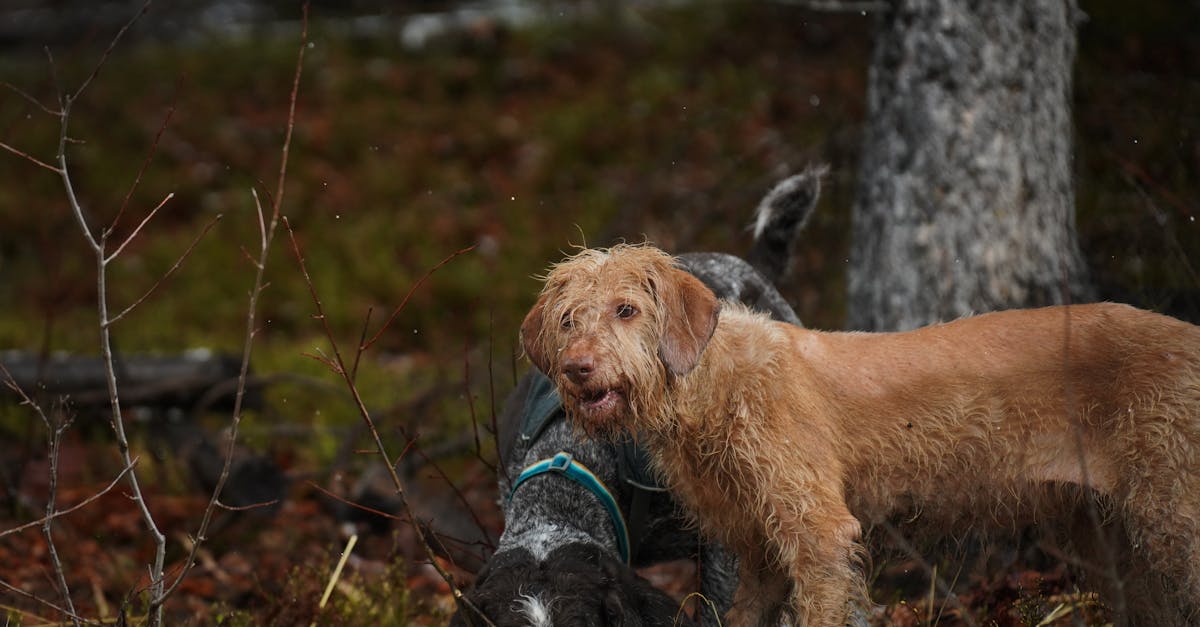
626, 310
566, 321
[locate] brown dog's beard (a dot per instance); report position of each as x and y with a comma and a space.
611, 411
608, 431
600, 411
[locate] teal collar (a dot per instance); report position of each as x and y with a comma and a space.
564, 464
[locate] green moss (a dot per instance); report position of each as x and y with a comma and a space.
359, 600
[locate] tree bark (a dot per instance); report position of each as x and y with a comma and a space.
965, 201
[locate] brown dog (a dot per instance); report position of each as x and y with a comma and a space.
780, 440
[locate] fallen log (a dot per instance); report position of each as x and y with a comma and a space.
195, 380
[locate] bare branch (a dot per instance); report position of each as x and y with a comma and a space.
291, 123
938, 582
52, 495
55, 431
69, 188
246, 508
329, 363
79, 505
33, 597
141, 171
262, 227
11, 383
116, 419
457, 493
167, 275
34, 101
30, 158
362, 340
108, 51
408, 296
471, 408
266, 238
54, 79
137, 230
340, 368
495, 431
346, 501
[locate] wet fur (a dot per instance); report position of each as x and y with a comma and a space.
551, 522
552, 515
783, 442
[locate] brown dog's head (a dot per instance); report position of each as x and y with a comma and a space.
612, 326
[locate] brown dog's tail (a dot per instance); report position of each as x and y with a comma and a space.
780, 215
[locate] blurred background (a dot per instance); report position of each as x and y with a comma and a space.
521, 129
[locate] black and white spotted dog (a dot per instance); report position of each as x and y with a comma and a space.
580, 514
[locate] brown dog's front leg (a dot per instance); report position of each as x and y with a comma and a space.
823, 557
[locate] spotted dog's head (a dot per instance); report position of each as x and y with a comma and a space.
577, 585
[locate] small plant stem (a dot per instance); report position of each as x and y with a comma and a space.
106, 355
337, 572
56, 432
338, 365
267, 232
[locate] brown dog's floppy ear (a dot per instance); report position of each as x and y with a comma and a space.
690, 313
531, 336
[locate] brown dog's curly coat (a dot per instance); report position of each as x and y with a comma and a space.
780, 440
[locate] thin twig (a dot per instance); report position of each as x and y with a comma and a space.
408, 296
30, 158
137, 230
33, 597
167, 275
154, 612
54, 429
470, 397
364, 508
56, 434
457, 493
69, 188
362, 341
326, 361
266, 238
895, 536
54, 79
142, 170
262, 226
340, 368
1133, 170
108, 51
495, 428
34, 101
246, 508
84, 503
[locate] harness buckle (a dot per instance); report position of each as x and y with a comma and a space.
561, 462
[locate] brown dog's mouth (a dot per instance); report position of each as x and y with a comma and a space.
600, 400
599, 411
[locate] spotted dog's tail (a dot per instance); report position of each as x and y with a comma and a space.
780, 215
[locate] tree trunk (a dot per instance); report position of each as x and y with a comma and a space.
964, 201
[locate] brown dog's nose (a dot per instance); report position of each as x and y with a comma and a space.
578, 366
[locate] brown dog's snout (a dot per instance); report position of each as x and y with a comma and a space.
578, 366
